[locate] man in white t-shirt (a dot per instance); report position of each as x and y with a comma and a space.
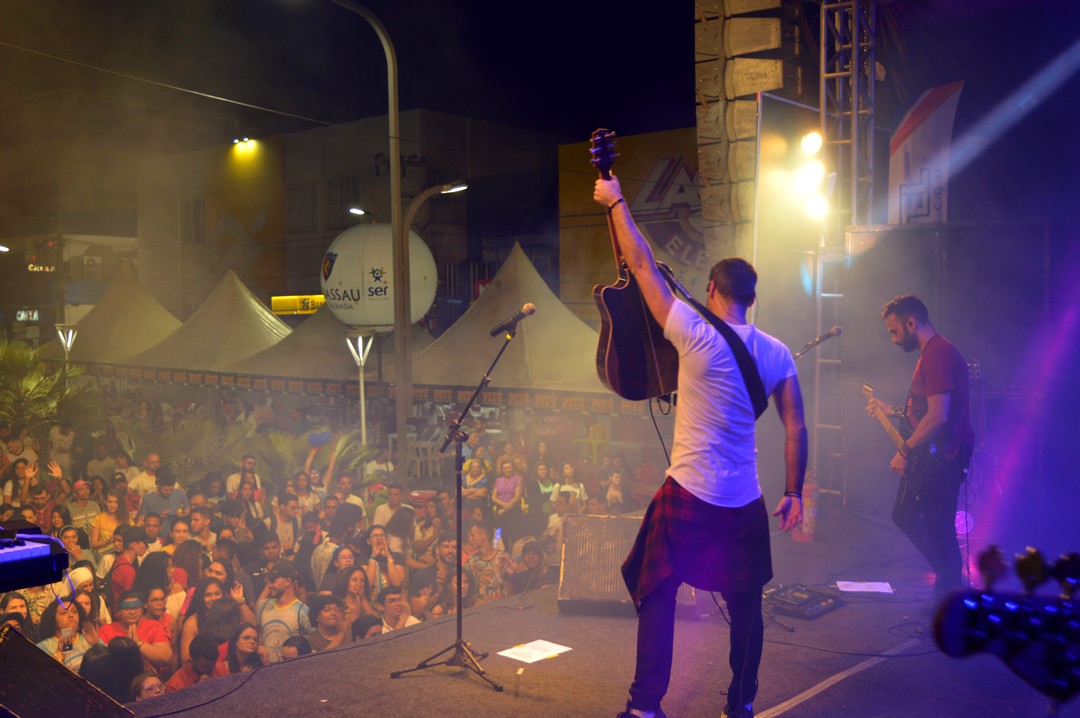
146, 481
708, 525
380, 467
395, 494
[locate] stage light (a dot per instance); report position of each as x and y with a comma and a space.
4, 249
455, 187
811, 143
817, 206
964, 523
809, 177
356, 210
240, 140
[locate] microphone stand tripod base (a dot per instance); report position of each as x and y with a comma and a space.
462, 657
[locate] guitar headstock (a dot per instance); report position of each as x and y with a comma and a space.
868, 391
602, 148
1036, 636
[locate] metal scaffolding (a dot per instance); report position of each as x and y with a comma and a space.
847, 75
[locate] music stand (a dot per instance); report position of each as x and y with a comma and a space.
462, 654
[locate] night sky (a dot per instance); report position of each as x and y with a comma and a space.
558, 66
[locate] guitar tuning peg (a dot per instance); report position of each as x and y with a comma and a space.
1031, 568
1067, 572
991, 563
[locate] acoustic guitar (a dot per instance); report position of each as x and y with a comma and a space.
633, 358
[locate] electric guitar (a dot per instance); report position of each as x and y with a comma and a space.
917, 460
1038, 637
633, 358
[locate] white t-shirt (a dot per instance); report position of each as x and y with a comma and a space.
713, 454
143, 483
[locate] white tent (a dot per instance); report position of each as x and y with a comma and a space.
231, 325
125, 321
553, 349
316, 350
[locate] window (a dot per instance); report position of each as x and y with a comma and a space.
341, 194
302, 207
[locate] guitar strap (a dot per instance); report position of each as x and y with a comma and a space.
746, 363
747, 367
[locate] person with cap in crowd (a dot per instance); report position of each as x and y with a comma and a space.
81, 579
81, 507
280, 611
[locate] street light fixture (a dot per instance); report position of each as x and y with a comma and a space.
67, 333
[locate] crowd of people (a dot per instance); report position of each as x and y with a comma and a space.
170, 585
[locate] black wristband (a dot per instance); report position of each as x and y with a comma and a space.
794, 494
616, 203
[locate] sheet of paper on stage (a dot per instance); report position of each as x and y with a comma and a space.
534, 651
865, 586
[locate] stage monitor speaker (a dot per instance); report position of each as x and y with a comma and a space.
590, 576
33, 684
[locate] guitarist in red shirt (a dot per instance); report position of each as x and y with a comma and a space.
933, 460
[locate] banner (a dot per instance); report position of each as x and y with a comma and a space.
919, 158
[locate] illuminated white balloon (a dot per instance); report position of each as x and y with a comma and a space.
358, 280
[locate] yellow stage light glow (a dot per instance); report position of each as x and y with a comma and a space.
817, 206
811, 143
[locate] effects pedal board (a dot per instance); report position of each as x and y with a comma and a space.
800, 601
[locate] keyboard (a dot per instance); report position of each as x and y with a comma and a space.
33, 562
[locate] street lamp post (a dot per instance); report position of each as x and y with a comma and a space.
402, 320
360, 355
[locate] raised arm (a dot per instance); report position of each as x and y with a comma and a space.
635, 249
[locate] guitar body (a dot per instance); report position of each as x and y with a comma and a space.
633, 358
917, 463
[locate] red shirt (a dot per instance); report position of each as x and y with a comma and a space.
942, 370
123, 577
186, 677
148, 631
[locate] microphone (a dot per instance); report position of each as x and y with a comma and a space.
510, 324
834, 332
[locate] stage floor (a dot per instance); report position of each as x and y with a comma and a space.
873, 657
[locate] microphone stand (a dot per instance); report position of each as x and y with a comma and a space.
463, 655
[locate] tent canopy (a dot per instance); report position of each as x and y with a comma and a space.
316, 350
126, 320
553, 349
231, 325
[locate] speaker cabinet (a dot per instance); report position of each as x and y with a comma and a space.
35, 685
590, 576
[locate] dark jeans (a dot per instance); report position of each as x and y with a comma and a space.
928, 518
656, 633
